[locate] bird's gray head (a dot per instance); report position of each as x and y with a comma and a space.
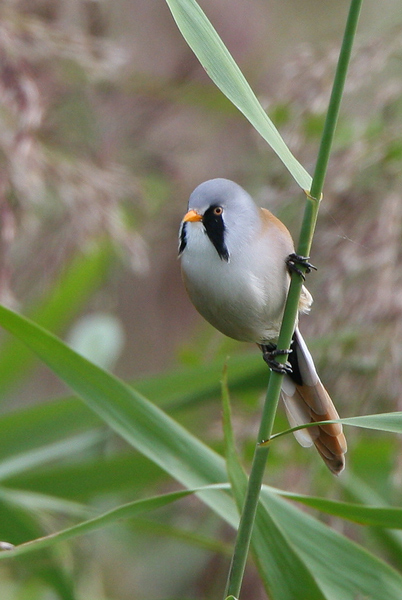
228, 213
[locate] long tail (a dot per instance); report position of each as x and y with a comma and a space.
307, 401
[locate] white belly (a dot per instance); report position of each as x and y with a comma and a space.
244, 304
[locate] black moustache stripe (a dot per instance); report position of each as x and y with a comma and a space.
215, 228
183, 238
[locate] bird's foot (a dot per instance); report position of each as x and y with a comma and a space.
294, 261
269, 354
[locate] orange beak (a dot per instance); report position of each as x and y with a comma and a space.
192, 216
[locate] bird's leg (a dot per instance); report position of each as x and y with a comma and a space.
293, 262
269, 354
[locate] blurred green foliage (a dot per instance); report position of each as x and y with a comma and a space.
98, 153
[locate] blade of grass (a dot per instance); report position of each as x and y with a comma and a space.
132, 416
343, 570
377, 516
224, 72
390, 422
187, 459
126, 511
359, 490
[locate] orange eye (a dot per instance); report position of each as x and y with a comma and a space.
218, 210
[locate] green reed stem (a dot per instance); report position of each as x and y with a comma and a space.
244, 533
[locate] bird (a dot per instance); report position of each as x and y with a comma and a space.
236, 261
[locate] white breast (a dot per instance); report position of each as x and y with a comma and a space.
242, 298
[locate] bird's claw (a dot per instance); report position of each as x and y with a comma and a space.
269, 355
293, 262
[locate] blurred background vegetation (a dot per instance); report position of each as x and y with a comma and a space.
107, 122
